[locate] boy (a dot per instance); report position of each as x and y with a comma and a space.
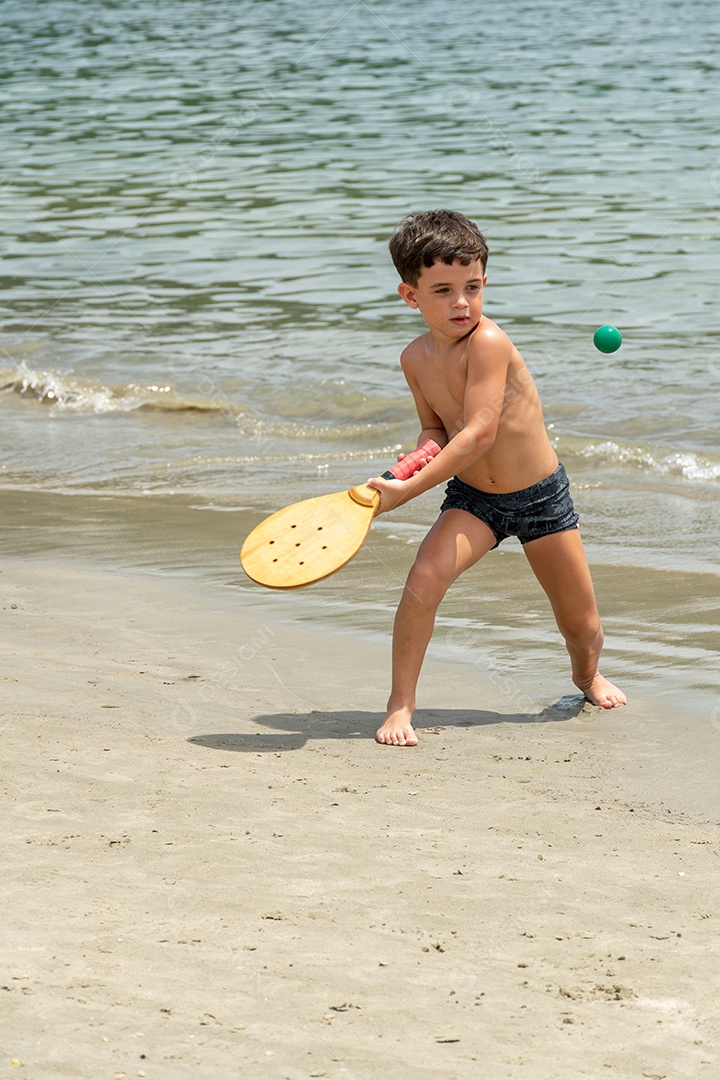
477, 400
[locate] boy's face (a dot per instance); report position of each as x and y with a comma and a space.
449, 297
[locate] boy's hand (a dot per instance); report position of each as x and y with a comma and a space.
392, 493
422, 462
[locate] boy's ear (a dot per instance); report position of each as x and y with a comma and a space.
407, 292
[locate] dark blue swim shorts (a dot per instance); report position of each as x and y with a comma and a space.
536, 511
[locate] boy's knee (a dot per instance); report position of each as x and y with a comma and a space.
583, 631
425, 583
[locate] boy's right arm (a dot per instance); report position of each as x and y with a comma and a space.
431, 426
437, 434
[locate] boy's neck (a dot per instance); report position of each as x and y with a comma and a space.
443, 343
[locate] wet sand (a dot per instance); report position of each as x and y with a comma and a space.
212, 870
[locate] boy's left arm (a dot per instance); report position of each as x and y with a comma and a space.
488, 358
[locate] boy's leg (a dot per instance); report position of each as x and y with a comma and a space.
456, 541
559, 563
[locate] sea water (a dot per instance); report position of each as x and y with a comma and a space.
200, 321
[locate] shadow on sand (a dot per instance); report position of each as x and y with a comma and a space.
296, 729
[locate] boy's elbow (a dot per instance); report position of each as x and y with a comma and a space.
437, 434
475, 442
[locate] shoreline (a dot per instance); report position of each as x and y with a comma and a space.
213, 866
661, 637
273, 644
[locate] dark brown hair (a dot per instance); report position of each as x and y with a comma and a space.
421, 240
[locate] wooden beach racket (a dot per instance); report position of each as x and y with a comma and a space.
312, 539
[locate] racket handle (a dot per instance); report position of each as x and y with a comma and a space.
411, 462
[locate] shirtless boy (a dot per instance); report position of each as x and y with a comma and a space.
477, 400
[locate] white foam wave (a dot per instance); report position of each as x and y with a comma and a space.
687, 464
64, 391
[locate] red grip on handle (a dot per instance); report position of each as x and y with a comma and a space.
409, 464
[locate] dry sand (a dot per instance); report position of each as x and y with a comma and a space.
212, 871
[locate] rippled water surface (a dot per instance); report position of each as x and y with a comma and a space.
196, 199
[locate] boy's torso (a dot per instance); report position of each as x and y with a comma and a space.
521, 454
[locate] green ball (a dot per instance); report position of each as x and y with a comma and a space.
607, 339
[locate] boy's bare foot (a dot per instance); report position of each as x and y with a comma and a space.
600, 691
397, 729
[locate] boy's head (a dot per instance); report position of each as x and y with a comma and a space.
421, 240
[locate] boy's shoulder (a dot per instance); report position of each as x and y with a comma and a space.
418, 347
490, 348
488, 333
484, 338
